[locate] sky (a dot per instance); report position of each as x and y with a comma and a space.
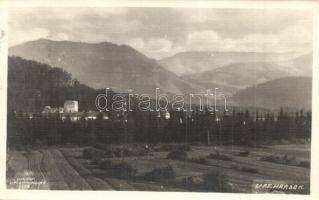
163, 32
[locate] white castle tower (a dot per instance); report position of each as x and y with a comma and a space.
71, 106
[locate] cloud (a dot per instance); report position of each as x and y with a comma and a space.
293, 38
65, 12
17, 37
137, 43
202, 40
159, 45
199, 15
296, 34
159, 32
59, 37
153, 47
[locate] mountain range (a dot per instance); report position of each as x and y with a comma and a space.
241, 75
104, 65
190, 62
121, 67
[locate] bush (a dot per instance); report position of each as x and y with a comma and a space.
107, 152
199, 160
218, 156
215, 181
243, 153
304, 164
192, 182
125, 152
286, 160
105, 164
9, 172
249, 169
110, 152
118, 170
178, 155
160, 174
244, 169
19, 147
175, 147
123, 170
270, 158
92, 153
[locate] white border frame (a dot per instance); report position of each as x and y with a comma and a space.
40, 194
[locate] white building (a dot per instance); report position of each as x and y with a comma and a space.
71, 106
48, 110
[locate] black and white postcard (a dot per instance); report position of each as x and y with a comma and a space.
193, 98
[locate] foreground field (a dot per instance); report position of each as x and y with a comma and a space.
236, 168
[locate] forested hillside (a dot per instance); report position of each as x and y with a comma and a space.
32, 85
293, 92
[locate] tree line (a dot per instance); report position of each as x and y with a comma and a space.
204, 127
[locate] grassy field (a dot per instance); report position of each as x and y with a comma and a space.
199, 168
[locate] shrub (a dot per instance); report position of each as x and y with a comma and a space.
118, 170
197, 143
249, 169
270, 158
218, 156
192, 181
107, 150
10, 172
244, 169
123, 170
291, 160
178, 155
19, 147
105, 164
175, 147
243, 153
199, 160
304, 164
286, 160
125, 151
160, 174
215, 181
92, 153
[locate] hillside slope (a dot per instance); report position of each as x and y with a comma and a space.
294, 92
104, 65
32, 85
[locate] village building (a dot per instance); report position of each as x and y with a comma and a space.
47, 110
74, 116
70, 110
71, 106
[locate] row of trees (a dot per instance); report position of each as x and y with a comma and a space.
235, 127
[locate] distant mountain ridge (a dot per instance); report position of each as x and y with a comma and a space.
101, 65
242, 75
293, 92
187, 63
